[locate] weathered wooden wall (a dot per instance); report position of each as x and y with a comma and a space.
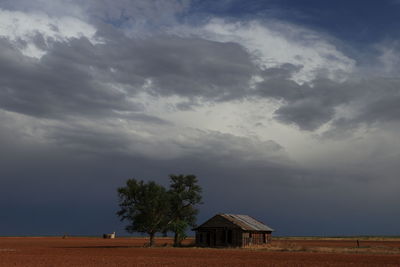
255, 238
219, 231
226, 236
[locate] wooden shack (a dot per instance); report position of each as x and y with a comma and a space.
232, 230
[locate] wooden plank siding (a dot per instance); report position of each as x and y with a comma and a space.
218, 237
221, 232
255, 238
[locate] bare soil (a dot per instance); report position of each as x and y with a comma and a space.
77, 251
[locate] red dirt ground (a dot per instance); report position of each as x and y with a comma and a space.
74, 251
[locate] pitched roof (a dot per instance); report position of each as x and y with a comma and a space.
246, 222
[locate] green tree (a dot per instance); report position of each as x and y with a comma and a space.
184, 196
145, 206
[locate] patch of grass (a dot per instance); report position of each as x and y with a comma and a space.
294, 247
369, 238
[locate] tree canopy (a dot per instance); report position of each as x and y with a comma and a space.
151, 208
145, 206
184, 194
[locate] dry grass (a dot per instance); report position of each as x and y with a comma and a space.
339, 238
285, 246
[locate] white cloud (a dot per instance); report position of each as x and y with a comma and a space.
246, 118
58, 8
389, 60
275, 43
22, 28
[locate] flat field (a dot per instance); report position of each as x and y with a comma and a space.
79, 251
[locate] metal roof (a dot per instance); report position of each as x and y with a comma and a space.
246, 222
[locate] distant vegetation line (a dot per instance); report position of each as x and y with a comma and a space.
87, 236
360, 237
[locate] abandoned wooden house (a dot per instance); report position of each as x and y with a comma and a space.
232, 230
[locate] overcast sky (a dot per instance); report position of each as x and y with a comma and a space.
286, 110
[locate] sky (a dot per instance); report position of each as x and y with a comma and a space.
285, 110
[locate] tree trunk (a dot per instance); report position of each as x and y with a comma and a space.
152, 242
176, 240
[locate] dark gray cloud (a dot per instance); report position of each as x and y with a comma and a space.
169, 65
77, 77
184, 66
51, 184
308, 105
60, 84
195, 67
74, 125
308, 114
311, 105
379, 103
372, 103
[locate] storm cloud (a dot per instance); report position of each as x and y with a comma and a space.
277, 120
